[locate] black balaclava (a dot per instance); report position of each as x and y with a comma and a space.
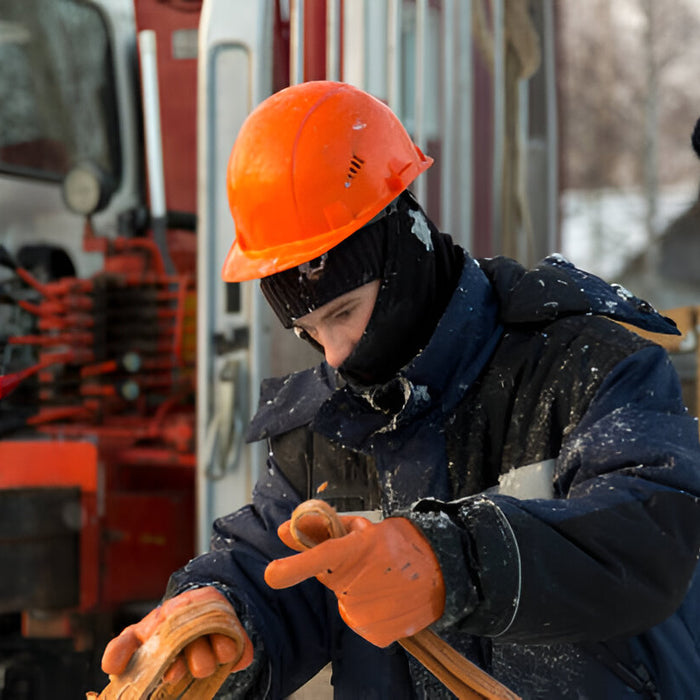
418, 267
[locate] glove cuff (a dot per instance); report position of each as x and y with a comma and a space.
457, 531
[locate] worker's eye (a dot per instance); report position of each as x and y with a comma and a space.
344, 313
301, 333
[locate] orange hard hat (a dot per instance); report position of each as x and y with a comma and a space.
312, 164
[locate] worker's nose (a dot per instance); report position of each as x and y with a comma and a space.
337, 346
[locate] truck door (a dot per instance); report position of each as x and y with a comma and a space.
235, 73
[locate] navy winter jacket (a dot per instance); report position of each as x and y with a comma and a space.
544, 451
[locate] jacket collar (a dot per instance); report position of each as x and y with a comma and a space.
556, 288
435, 380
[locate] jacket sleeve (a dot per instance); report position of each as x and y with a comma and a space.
613, 552
288, 627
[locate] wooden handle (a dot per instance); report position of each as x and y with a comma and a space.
464, 678
142, 678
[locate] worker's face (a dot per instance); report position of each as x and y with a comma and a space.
338, 325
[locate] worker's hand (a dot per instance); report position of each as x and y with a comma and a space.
201, 657
386, 576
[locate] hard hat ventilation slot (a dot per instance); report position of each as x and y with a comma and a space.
355, 166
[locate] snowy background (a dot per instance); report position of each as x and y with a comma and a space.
603, 230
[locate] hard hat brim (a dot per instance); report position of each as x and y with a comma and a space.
241, 265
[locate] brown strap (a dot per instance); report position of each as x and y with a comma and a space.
465, 679
142, 678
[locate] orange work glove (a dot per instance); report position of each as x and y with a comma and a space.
201, 657
386, 576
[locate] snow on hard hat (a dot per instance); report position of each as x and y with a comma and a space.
312, 164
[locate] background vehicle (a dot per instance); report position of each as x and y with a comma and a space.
129, 368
